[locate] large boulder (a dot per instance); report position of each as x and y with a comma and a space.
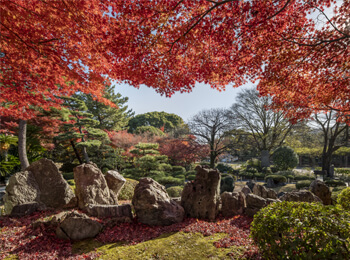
264, 192
153, 206
40, 183
22, 188
115, 182
122, 212
54, 189
233, 203
201, 198
76, 226
254, 204
91, 186
302, 196
321, 190
246, 190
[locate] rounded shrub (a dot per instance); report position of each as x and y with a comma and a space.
303, 184
344, 198
174, 191
335, 183
301, 230
223, 167
127, 192
285, 158
277, 179
227, 184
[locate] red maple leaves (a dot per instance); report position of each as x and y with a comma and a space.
29, 238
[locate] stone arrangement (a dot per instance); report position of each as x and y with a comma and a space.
41, 186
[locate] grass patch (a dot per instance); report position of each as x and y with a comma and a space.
178, 245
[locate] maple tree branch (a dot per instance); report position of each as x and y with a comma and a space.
19, 37
278, 12
335, 28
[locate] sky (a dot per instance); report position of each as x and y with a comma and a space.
185, 105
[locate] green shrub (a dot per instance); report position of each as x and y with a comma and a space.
266, 170
259, 175
227, 184
255, 163
178, 169
334, 183
301, 230
68, 175
169, 180
303, 184
191, 177
175, 191
68, 167
285, 158
301, 177
344, 199
277, 179
342, 171
223, 167
127, 192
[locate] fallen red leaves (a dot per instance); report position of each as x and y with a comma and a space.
19, 236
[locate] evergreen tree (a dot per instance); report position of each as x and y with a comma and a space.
81, 130
108, 118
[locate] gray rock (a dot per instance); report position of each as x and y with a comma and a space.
76, 226
153, 205
54, 189
246, 190
201, 198
115, 182
91, 186
21, 189
114, 211
264, 192
302, 196
24, 209
254, 204
233, 203
321, 190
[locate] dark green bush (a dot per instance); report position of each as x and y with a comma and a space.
266, 170
68, 167
227, 184
191, 177
334, 183
178, 170
169, 180
175, 191
223, 167
342, 171
344, 199
299, 177
303, 184
259, 175
285, 158
127, 192
301, 230
68, 175
277, 179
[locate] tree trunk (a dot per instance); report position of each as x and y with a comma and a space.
212, 159
86, 156
76, 152
22, 143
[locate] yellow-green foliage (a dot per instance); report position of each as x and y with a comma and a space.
189, 246
344, 198
127, 191
175, 191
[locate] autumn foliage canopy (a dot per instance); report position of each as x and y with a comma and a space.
54, 48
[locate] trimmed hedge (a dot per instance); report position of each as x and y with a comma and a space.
175, 191
344, 199
334, 183
301, 230
303, 184
277, 178
127, 192
285, 158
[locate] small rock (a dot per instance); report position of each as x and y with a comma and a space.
233, 203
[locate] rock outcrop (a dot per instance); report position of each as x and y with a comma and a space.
201, 198
321, 190
91, 186
302, 196
233, 203
115, 182
153, 206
